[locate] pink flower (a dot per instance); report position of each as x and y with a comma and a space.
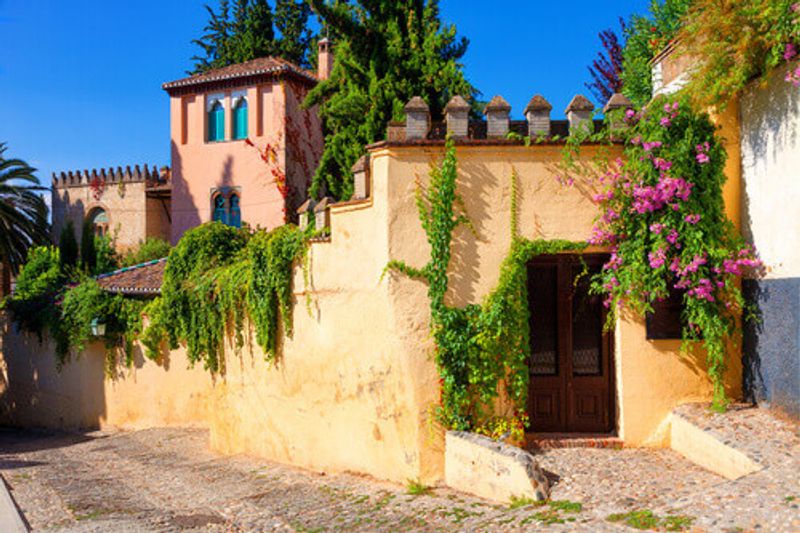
648, 146
662, 164
703, 290
666, 122
614, 263
703, 158
656, 228
790, 51
672, 237
693, 219
657, 258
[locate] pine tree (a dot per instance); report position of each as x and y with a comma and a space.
242, 30
386, 52
291, 21
607, 68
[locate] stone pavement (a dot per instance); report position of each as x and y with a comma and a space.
168, 480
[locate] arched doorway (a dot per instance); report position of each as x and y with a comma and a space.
98, 219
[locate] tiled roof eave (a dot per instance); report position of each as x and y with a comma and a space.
263, 72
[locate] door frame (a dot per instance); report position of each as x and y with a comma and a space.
565, 379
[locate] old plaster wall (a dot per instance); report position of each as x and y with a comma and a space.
34, 392
770, 157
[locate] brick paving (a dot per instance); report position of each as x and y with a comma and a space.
168, 480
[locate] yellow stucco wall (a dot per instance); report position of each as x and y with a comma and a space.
352, 389
34, 392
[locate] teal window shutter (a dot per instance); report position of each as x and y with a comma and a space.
235, 218
220, 213
240, 120
216, 123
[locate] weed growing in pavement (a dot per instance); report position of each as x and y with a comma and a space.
415, 487
646, 519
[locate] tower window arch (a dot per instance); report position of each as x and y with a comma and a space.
226, 207
216, 121
240, 118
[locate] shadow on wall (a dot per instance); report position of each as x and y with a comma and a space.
32, 394
771, 344
464, 269
184, 212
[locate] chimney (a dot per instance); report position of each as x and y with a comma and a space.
324, 59
538, 114
456, 113
497, 112
418, 118
579, 114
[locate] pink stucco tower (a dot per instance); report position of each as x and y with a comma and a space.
243, 148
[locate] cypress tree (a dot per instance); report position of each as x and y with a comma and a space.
386, 52
88, 250
68, 245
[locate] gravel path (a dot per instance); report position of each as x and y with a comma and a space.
167, 480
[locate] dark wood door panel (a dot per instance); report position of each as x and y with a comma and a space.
571, 382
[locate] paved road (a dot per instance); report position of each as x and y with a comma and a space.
167, 480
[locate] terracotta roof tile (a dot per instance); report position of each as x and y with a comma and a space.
262, 66
143, 279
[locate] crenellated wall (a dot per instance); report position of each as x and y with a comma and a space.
134, 210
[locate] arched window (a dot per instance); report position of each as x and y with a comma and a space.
216, 122
240, 119
220, 213
235, 213
98, 219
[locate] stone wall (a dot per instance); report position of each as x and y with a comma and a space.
770, 137
133, 217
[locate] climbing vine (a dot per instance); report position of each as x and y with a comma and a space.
662, 215
478, 347
216, 278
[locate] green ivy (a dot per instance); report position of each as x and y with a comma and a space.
478, 347
216, 278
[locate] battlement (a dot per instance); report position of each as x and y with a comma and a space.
497, 128
83, 178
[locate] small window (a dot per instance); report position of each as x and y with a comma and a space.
235, 213
666, 320
220, 209
240, 119
226, 208
216, 122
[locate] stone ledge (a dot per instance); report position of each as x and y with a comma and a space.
493, 470
704, 448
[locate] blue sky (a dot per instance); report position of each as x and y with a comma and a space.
80, 81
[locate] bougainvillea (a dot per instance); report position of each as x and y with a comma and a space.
662, 215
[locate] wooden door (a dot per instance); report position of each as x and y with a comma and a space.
570, 366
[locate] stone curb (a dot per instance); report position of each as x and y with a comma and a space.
11, 520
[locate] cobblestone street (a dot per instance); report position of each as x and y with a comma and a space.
167, 480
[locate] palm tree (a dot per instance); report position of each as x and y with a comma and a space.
23, 213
